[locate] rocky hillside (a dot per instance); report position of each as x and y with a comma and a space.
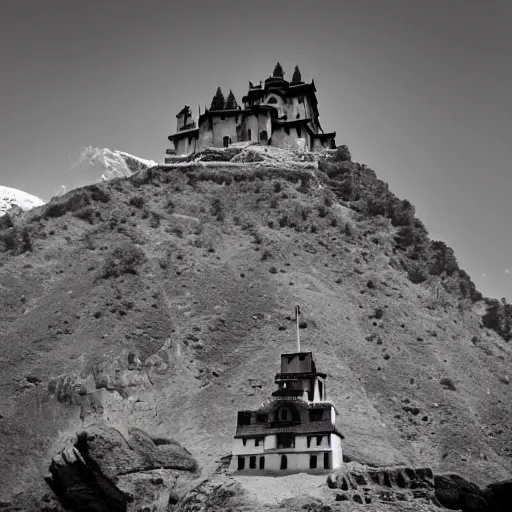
156, 306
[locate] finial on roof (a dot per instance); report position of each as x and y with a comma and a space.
251, 86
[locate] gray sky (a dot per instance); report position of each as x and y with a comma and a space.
419, 91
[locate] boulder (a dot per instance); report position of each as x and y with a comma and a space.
104, 471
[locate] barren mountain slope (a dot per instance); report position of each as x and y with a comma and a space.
163, 302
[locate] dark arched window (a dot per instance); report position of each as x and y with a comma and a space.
263, 136
225, 141
273, 99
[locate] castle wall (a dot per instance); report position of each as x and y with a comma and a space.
205, 136
223, 128
251, 123
298, 461
184, 147
264, 124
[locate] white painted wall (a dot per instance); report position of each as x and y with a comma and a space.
249, 448
337, 454
270, 442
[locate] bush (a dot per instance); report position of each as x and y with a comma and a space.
447, 383
123, 259
137, 201
417, 274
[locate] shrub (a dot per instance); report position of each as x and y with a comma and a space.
154, 219
417, 274
322, 211
123, 259
266, 255
137, 201
447, 383
88, 214
273, 270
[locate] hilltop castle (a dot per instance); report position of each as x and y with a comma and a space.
295, 430
278, 113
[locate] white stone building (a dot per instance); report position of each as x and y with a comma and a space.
295, 430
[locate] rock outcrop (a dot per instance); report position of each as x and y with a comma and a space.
104, 471
363, 484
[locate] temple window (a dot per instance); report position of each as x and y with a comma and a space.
252, 462
312, 461
262, 462
315, 414
272, 100
244, 418
284, 462
225, 141
327, 461
241, 463
309, 441
285, 441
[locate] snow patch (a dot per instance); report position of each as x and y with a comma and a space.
11, 197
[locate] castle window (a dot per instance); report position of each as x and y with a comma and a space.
272, 100
315, 414
262, 462
312, 461
252, 462
244, 418
241, 463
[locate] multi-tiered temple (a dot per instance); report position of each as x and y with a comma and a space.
278, 113
295, 430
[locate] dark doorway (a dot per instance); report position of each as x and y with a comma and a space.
284, 462
225, 141
327, 461
262, 462
312, 461
241, 463
252, 462
249, 133
263, 136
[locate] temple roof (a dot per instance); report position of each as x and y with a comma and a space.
317, 427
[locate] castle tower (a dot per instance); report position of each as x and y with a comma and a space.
294, 430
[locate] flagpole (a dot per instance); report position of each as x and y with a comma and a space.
297, 313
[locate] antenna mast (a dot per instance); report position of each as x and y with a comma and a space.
297, 314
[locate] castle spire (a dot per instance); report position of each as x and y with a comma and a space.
278, 71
